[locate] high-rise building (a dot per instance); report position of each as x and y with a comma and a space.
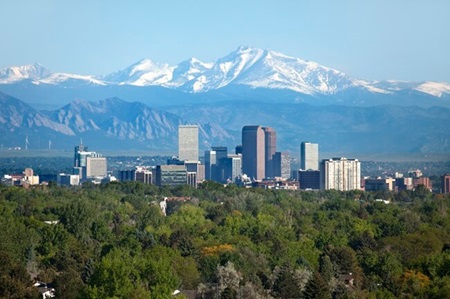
96, 167
188, 142
309, 156
445, 183
270, 148
233, 168
281, 165
210, 164
285, 165
218, 174
76, 159
340, 174
238, 150
253, 152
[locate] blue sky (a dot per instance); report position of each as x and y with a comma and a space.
372, 39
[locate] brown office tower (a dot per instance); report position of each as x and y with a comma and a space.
270, 138
253, 152
445, 183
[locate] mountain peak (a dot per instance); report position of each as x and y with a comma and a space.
17, 73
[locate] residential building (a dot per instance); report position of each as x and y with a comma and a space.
340, 174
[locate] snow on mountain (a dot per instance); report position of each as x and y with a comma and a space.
143, 73
188, 70
59, 78
18, 73
246, 66
434, 88
276, 70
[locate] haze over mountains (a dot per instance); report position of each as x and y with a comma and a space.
302, 100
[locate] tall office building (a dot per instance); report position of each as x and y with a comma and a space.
76, 157
188, 142
282, 165
210, 164
309, 156
445, 183
96, 167
218, 174
340, 174
270, 140
233, 167
253, 152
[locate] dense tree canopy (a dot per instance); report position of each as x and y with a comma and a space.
113, 241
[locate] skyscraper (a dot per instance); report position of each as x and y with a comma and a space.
309, 156
188, 142
210, 164
253, 152
340, 174
218, 174
270, 140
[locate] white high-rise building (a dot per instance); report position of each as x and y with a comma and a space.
309, 156
96, 167
340, 174
188, 142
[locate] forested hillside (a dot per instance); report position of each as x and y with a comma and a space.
113, 241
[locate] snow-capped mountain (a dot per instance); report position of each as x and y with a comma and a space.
142, 73
18, 73
254, 70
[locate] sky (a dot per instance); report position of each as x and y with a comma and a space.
371, 39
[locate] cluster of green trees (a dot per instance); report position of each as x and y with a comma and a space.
112, 241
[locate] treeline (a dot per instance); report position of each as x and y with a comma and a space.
113, 241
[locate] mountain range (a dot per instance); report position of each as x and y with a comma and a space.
246, 73
141, 106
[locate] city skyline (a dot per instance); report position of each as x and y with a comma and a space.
401, 40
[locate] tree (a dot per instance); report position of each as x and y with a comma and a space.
317, 288
287, 284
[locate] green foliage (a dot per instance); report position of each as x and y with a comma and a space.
112, 241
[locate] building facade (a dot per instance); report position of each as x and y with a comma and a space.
270, 148
210, 164
340, 174
445, 183
309, 156
96, 167
188, 142
253, 152
171, 175
309, 179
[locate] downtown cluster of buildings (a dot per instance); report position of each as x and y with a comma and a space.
254, 163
